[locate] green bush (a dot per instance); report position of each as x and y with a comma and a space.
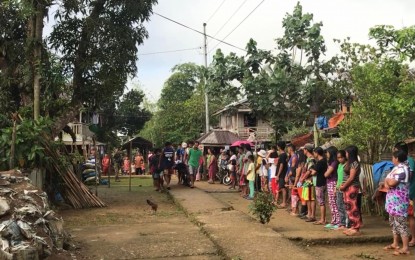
262, 207
296, 131
28, 149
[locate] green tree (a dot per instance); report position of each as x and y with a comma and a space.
281, 87
397, 42
131, 115
95, 42
384, 107
180, 114
98, 41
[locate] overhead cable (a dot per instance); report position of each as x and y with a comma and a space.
227, 21
217, 9
170, 51
221, 41
237, 26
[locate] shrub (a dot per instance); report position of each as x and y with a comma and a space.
262, 207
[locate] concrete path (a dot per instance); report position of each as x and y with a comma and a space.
237, 235
375, 229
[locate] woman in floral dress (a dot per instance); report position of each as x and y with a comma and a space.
397, 202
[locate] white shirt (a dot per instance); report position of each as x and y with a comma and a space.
273, 169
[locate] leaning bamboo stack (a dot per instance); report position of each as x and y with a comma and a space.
74, 191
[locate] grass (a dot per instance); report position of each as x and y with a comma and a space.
124, 206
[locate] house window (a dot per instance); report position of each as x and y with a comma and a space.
250, 120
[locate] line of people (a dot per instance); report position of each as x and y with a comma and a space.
185, 161
301, 181
305, 177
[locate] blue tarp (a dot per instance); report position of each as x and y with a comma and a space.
379, 170
322, 122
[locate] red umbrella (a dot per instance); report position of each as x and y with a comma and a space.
242, 142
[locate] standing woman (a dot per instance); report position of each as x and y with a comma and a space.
350, 188
331, 176
298, 183
397, 202
343, 219
232, 169
212, 166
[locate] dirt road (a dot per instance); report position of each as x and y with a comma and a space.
205, 223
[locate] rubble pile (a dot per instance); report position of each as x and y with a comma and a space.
29, 229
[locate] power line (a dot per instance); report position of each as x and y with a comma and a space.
160, 52
227, 21
217, 9
171, 20
237, 25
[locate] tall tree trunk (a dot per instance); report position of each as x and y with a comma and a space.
34, 50
37, 57
13, 146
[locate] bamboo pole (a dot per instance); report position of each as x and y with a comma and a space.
74, 191
131, 159
13, 145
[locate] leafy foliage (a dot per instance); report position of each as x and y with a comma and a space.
281, 87
130, 113
262, 206
296, 131
398, 43
181, 107
95, 42
385, 106
28, 150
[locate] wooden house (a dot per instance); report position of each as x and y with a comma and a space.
238, 118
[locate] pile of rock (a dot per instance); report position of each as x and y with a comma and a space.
29, 229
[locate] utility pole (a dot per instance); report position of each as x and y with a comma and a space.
206, 90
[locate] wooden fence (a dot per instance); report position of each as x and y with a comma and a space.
369, 206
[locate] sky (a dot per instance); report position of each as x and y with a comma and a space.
341, 18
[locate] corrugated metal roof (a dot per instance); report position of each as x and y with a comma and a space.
218, 138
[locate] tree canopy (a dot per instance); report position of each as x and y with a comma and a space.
86, 61
180, 114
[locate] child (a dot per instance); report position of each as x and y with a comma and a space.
397, 202
126, 167
106, 162
250, 176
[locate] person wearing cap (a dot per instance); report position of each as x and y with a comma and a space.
262, 170
181, 152
244, 181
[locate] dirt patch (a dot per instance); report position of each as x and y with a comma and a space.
128, 229
317, 242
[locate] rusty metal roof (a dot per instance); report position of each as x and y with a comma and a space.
218, 137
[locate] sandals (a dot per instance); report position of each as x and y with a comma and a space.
411, 244
310, 220
400, 253
319, 223
391, 247
352, 233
